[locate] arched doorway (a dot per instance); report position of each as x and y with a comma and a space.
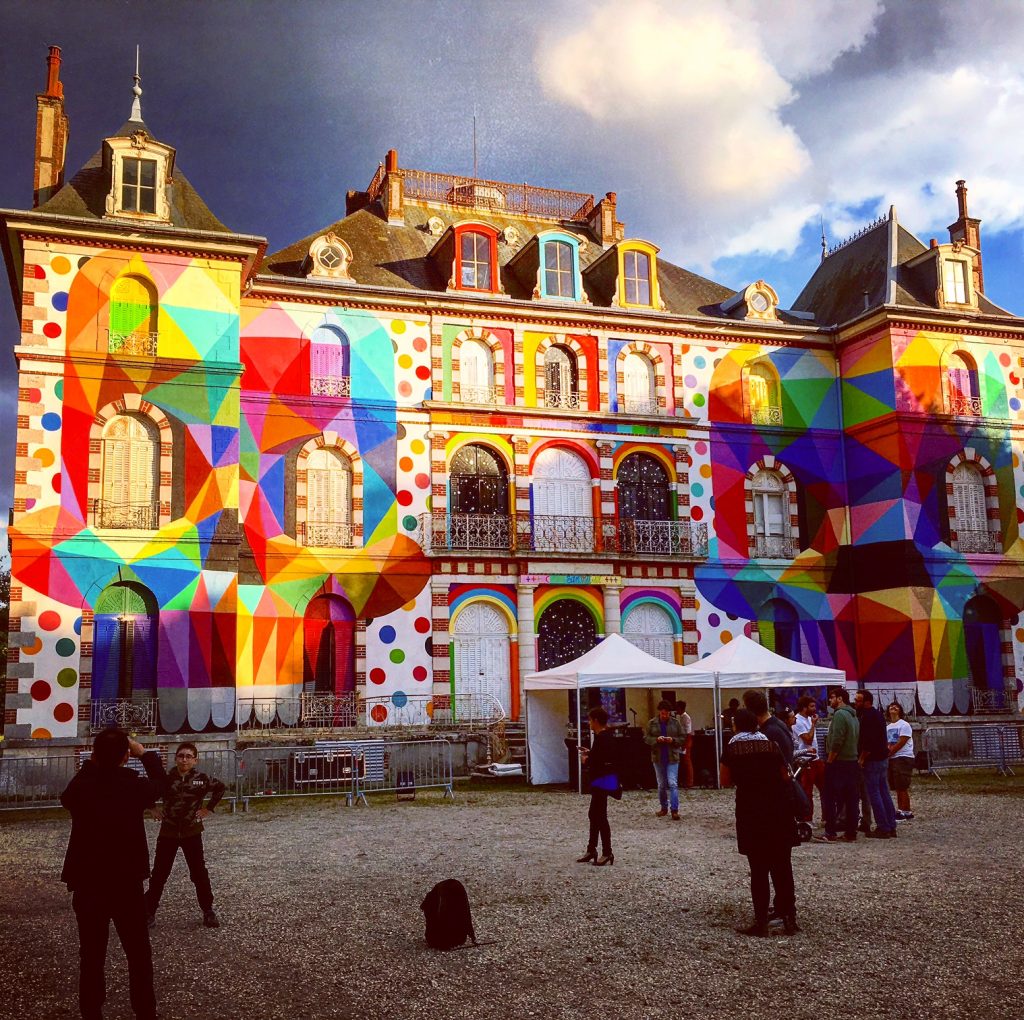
649, 627
329, 659
563, 511
983, 643
478, 500
124, 644
779, 628
482, 654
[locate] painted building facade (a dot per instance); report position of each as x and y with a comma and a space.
467, 429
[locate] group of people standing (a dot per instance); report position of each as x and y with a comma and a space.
865, 756
107, 859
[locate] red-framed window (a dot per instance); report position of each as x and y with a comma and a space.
476, 259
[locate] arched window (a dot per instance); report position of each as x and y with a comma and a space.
475, 261
645, 505
476, 373
772, 532
482, 664
962, 382
329, 363
561, 381
559, 273
124, 657
478, 501
564, 632
763, 401
129, 486
133, 317
329, 660
328, 500
970, 512
563, 511
649, 628
637, 277
639, 395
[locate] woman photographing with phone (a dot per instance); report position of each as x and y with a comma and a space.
604, 782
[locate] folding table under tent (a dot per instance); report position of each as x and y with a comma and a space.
741, 663
612, 663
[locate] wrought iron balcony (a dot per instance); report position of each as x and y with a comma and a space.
557, 534
966, 407
978, 542
140, 343
330, 386
477, 394
135, 715
113, 514
327, 534
774, 547
442, 533
766, 416
637, 405
566, 401
662, 538
994, 700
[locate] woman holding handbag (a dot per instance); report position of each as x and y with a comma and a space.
604, 782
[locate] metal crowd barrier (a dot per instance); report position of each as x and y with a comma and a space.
990, 745
34, 782
403, 767
294, 772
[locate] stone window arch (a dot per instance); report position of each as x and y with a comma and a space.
972, 499
328, 494
478, 368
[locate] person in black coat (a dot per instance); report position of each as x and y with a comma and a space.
106, 863
602, 762
765, 823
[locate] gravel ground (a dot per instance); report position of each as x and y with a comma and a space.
319, 910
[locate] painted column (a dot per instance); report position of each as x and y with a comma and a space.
605, 518
527, 638
612, 617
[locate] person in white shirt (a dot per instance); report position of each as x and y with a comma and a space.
900, 738
686, 754
813, 774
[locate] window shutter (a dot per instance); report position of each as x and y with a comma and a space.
969, 499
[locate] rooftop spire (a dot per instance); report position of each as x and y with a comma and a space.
824, 242
136, 92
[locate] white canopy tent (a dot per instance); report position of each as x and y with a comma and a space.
617, 663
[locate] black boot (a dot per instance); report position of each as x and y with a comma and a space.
789, 925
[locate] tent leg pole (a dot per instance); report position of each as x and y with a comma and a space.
718, 733
579, 742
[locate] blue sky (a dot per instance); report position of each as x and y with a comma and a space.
729, 130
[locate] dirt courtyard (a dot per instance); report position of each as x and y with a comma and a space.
319, 905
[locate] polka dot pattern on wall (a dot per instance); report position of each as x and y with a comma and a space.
64, 712
50, 421
60, 265
67, 678
40, 690
377, 676
49, 620
65, 648
52, 330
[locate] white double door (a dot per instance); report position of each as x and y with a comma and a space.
562, 505
482, 655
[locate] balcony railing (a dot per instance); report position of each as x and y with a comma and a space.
127, 516
135, 715
662, 538
774, 547
477, 394
327, 534
967, 407
766, 416
978, 542
466, 533
637, 405
140, 343
567, 401
994, 700
330, 386
545, 533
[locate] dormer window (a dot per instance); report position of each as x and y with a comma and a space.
954, 281
756, 301
638, 275
559, 272
475, 262
330, 257
138, 185
141, 171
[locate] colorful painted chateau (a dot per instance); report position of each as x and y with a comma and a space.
466, 429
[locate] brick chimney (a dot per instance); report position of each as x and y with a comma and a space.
968, 230
603, 223
51, 133
393, 194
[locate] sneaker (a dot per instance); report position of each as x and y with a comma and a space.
210, 920
904, 816
757, 929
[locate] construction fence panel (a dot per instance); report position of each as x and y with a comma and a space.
296, 772
989, 745
403, 767
34, 782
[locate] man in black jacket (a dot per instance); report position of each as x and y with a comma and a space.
106, 863
770, 725
873, 755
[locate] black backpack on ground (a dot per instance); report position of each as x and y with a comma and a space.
448, 917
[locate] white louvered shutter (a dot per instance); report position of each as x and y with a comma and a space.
649, 628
